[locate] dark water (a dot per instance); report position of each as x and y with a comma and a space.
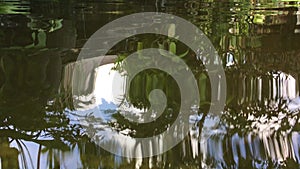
48, 121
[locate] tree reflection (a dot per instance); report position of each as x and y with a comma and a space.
258, 129
30, 81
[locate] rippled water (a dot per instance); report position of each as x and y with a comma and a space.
50, 118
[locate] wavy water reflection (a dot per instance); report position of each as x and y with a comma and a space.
39, 115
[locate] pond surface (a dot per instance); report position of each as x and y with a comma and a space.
55, 115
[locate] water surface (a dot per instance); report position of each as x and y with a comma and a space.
45, 125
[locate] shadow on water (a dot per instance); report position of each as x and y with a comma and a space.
40, 126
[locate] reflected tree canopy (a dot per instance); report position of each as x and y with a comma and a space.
258, 45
